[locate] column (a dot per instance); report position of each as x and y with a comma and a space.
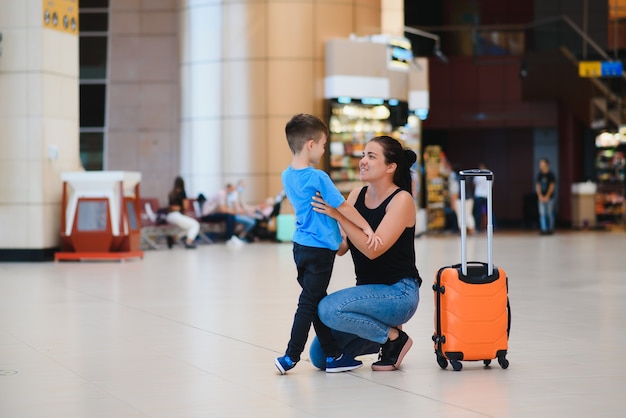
570, 161
201, 135
38, 126
246, 68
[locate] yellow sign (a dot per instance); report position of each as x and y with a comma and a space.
590, 68
61, 15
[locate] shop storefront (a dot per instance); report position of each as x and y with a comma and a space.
610, 166
373, 86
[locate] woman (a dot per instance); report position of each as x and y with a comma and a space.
175, 215
368, 317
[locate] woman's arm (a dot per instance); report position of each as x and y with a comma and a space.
399, 216
343, 247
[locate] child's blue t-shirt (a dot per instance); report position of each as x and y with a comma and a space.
313, 229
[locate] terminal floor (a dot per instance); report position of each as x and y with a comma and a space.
194, 333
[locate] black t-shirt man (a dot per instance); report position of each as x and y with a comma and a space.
545, 184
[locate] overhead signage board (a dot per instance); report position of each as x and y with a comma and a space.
590, 68
61, 15
611, 68
600, 69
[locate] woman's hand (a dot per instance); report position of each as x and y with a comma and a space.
320, 206
373, 240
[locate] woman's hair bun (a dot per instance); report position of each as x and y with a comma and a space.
410, 156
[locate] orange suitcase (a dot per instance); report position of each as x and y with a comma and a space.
472, 311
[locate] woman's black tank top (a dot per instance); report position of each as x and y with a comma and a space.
397, 262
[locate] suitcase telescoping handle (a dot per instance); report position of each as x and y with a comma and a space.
463, 176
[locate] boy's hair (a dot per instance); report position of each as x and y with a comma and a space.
302, 128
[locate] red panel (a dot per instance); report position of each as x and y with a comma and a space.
466, 147
518, 11
439, 79
518, 114
463, 88
464, 82
512, 81
439, 116
490, 82
508, 152
492, 11
464, 115
491, 114
544, 114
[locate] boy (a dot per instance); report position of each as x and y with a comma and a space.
315, 240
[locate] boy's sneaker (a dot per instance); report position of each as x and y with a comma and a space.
342, 363
284, 363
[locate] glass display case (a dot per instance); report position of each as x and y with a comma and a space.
353, 122
610, 170
436, 186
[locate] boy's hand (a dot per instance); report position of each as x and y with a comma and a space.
372, 239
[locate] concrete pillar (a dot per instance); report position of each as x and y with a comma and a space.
38, 127
392, 17
246, 68
201, 137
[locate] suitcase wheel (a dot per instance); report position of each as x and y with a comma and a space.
504, 363
442, 362
456, 365
486, 363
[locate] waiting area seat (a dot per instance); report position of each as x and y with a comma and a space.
155, 229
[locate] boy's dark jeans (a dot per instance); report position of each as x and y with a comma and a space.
315, 266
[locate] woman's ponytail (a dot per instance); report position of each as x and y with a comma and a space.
404, 170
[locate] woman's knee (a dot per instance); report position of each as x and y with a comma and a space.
328, 310
324, 310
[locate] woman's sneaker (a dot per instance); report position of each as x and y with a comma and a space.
392, 353
342, 363
284, 363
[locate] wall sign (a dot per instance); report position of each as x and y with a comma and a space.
61, 15
400, 54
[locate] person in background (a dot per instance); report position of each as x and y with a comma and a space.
481, 189
454, 188
216, 209
235, 198
453, 221
544, 186
236, 206
175, 216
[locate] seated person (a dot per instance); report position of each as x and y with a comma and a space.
243, 212
175, 216
215, 209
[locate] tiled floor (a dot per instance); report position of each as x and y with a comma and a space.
188, 333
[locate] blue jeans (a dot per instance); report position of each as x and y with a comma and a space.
480, 206
315, 266
370, 310
248, 222
546, 215
227, 218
